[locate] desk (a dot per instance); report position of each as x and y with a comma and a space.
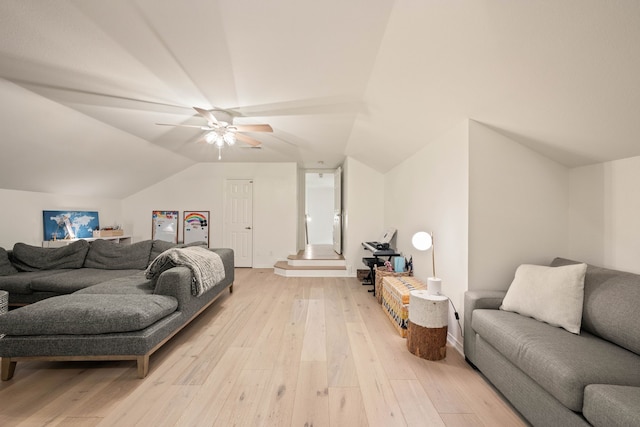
375, 261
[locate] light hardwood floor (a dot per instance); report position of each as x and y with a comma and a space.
277, 352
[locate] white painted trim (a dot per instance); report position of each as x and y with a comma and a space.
317, 262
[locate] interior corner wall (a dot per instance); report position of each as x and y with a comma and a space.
587, 214
605, 206
518, 208
202, 187
362, 207
429, 192
22, 222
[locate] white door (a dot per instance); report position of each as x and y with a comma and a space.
239, 220
337, 211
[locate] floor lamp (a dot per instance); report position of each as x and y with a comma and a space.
423, 241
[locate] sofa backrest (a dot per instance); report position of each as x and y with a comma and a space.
159, 246
6, 268
108, 255
33, 258
610, 308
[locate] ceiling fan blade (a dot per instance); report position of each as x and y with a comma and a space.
254, 128
184, 126
248, 140
206, 114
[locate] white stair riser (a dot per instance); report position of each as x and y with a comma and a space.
317, 262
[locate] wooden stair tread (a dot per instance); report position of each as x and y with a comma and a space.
317, 252
285, 266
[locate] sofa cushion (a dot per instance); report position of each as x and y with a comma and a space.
550, 294
105, 254
87, 314
20, 283
610, 301
159, 246
612, 405
33, 258
74, 280
6, 267
560, 362
133, 284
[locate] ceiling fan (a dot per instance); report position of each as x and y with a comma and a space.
220, 129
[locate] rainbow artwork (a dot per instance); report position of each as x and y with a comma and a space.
196, 226
196, 219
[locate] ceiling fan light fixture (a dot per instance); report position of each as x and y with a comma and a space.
210, 137
229, 138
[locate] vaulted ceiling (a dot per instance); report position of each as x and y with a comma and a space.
83, 83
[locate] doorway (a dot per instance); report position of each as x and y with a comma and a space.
239, 220
321, 205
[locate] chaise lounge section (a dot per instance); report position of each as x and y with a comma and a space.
97, 312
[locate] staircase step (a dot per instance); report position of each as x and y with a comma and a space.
283, 268
316, 262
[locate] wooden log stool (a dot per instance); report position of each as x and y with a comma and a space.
427, 325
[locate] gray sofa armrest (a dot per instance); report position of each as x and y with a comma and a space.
175, 282
477, 300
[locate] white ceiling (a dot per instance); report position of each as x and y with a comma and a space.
83, 83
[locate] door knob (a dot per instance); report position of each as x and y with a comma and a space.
247, 228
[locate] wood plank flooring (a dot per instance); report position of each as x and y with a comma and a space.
277, 352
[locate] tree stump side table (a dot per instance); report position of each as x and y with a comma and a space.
427, 325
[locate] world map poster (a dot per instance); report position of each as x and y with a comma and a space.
60, 225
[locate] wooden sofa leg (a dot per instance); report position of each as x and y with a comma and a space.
143, 366
231, 289
8, 369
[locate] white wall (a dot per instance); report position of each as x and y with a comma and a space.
201, 187
605, 207
429, 192
518, 208
363, 211
21, 215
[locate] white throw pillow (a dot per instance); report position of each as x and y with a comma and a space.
550, 294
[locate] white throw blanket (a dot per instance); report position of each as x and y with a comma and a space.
206, 266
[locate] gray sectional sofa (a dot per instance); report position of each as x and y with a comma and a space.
93, 301
557, 378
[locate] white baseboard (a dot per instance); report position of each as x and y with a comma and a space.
455, 343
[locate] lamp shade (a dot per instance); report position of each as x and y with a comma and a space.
422, 241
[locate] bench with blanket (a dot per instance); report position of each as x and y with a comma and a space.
100, 312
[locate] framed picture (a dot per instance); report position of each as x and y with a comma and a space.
196, 226
164, 226
58, 225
